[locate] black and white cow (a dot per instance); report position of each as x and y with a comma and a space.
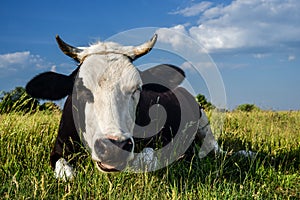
108, 104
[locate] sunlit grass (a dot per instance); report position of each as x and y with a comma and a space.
27, 140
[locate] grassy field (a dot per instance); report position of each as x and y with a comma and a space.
26, 142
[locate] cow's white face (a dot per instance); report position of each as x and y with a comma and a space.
105, 95
109, 119
115, 84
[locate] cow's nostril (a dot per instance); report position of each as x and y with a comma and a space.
126, 145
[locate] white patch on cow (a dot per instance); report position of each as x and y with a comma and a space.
63, 170
145, 161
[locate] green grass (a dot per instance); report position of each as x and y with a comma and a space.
26, 142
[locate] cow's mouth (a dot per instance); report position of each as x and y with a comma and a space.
106, 168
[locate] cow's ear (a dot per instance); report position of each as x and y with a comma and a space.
165, 75
50, 85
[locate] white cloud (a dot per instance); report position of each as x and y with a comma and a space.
13, 58
193, 10
174, 36
17, 62
291, 57
260, 55
245, 24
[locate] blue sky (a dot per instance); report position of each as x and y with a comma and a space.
254, 43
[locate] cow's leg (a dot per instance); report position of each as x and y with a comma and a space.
205, 135
67, 143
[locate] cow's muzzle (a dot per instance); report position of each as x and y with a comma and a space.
113, 155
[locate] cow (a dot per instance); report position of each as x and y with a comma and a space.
108, 104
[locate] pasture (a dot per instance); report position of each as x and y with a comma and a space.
27, 140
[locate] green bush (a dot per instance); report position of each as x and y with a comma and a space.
50, 106
247, 108
201, 99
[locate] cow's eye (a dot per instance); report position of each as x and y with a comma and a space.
136, 92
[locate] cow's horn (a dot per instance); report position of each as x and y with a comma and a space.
68, 49
143, 49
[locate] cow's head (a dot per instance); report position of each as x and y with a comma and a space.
105, 89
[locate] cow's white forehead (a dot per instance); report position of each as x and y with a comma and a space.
104, 47
107, 71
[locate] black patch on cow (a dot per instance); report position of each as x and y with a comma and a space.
165, 75
67, 141
161, 89
177, 114
51, 85
81, 96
